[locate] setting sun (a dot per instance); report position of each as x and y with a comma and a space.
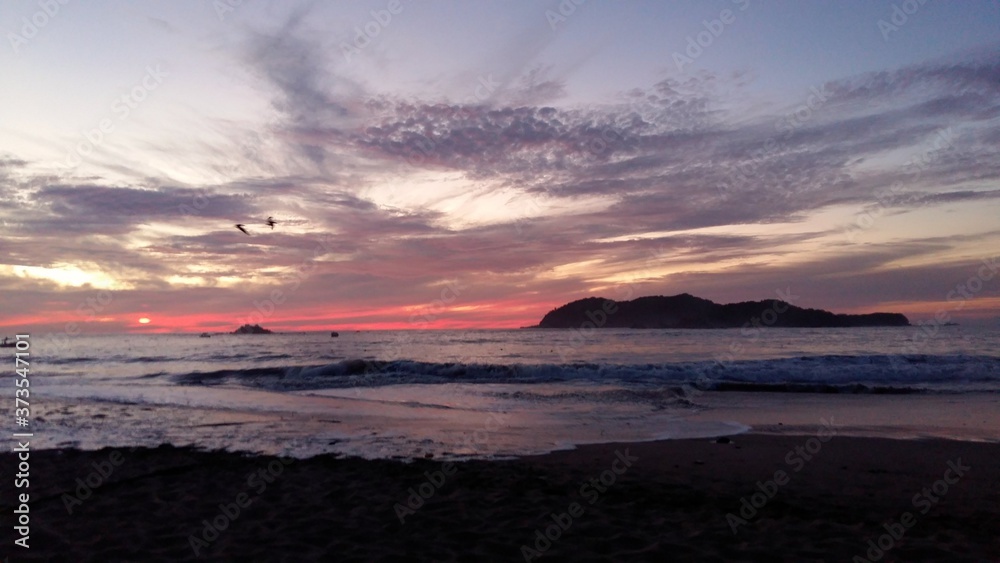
446, 277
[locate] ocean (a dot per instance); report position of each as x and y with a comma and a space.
499, 393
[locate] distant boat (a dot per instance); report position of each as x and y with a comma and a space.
252, 329
205, 335
6, 344
334, 334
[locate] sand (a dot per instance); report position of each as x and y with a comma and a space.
660, 501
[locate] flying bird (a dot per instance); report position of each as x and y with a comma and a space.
240, 227
271, 222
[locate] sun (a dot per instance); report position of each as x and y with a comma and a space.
144, 321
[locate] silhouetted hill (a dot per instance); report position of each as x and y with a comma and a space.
688, 311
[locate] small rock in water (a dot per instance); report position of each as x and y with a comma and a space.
723, 440
428, 455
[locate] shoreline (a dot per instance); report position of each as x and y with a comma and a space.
668, 498
406, 421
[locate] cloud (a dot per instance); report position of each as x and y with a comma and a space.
309, 95
597, 192
535, 88
124, 205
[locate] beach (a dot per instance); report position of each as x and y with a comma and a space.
818, 449
500, 281
819, 497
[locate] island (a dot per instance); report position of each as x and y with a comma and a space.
687, 311
252, 329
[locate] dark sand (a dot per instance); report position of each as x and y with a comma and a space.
670, 505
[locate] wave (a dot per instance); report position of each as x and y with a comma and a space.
161, 359
119, 358
218, 357
811, 374
72, 360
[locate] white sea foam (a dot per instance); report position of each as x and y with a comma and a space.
490, 393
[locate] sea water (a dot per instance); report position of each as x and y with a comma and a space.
492, 393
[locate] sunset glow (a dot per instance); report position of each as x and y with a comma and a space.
511, 165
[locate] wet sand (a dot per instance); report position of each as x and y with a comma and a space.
820, 497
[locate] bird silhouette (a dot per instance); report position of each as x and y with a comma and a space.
271, 222
240, 227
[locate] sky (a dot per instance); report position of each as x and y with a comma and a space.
476, 164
